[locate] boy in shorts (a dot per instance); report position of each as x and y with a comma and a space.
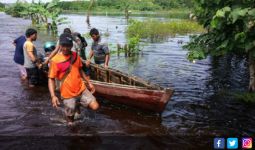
66, 66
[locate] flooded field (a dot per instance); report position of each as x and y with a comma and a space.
200, 109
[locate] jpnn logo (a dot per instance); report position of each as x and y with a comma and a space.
219, 143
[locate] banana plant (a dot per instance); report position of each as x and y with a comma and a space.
40, 13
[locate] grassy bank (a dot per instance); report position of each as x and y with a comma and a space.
154, 30
174, 13
245, 96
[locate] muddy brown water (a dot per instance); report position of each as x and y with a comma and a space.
200, 109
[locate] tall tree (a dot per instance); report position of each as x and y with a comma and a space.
126, 4
89, 11
231, 29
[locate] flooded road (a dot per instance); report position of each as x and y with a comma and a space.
200, 109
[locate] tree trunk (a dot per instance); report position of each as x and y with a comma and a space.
252, 72
33, 19
88, 13
126, 12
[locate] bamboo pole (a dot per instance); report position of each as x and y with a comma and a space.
118, 49
126, 50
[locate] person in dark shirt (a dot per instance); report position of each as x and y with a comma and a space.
80, 48
99, 49
19, 55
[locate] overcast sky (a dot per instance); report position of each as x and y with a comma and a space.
13, 1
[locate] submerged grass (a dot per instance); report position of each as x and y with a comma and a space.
245, 96
155, 30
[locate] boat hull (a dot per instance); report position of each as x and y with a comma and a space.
153, 100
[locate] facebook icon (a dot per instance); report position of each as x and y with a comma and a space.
219, 143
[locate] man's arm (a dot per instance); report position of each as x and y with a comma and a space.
84, 76
54, 98
52, 54
91, 53
87, 80
31, 56
107, 58
30, 49
107, 55
34, 59
15, 42
51, 85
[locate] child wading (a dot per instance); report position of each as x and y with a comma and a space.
66, 66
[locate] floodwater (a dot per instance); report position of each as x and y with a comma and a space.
200, 109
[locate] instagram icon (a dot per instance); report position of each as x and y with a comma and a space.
246, 143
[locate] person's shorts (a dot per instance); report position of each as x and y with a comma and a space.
72, 104
23, 71
32, 76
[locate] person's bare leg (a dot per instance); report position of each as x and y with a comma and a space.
94, 105
77, 114
23, 77
78, 110
31, 86
70, 120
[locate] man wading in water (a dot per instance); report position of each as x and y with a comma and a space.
66, 66
99, 49
19, 55
31, 62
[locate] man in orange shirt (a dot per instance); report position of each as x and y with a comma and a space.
66, 66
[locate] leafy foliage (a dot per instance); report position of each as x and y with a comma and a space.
39, 13
2, 7
230, 26
169, 4
134, 44
16, 9
76, 5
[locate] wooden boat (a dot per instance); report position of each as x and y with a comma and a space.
119, 87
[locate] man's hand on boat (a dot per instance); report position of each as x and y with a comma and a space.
91, 88
105, 66
45, 62
39, 65
85, 62
55, 101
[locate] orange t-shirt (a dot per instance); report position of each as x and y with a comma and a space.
73, 84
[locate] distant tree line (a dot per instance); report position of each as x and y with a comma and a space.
2, 6
141, 5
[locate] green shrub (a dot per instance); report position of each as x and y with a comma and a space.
2, 7
245, 96
77, 5
16, 10
154, 30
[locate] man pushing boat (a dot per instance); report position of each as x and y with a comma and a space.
99, 49
66, 66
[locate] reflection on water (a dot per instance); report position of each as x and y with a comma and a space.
200, 109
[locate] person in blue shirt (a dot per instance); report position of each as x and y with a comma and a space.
19, 55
